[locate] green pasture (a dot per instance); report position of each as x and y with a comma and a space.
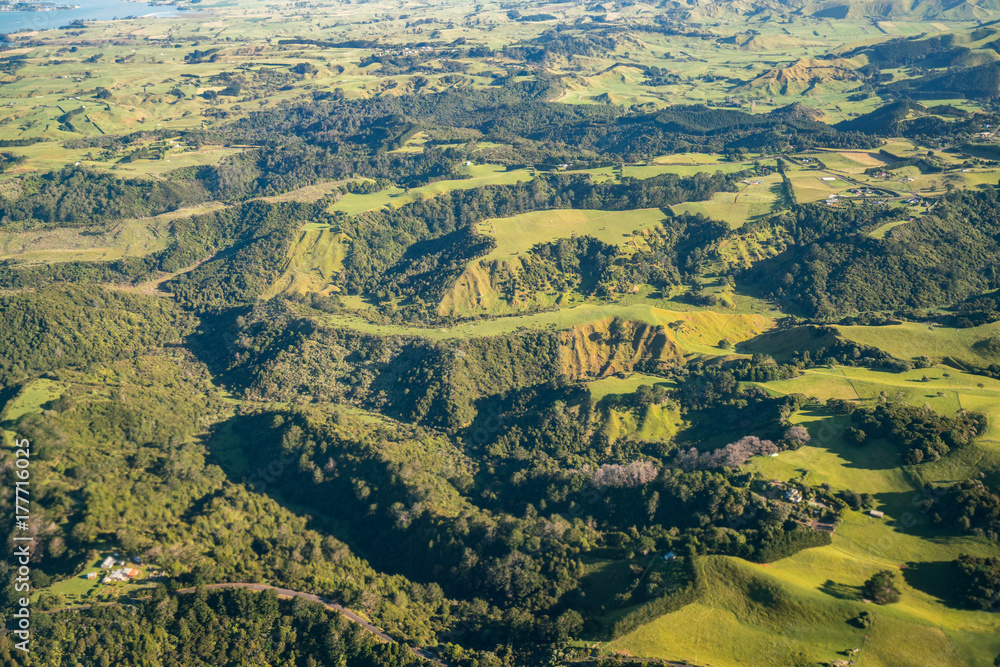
128, 238
479, 175
523, 232
700, 333
658, 423
797, 608
627, 385
31, 398
752, 202
943, 394
314, 261
78, 590
881, 231
979, 346
749, 614
133, 237
745, 249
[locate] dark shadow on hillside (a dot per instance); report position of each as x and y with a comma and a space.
215, 345
7, 394
909, 511
523, 408
827, 432
936, 578
246, 348
250, 451
905, 513
710, 428
781, 343
598, 589
780, 193
841, 591
429, 267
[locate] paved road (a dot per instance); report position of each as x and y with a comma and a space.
350, 615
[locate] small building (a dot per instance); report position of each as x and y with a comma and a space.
876, 513
92, 575
121, 574
107, 563
132, 573
793, 495
670, 556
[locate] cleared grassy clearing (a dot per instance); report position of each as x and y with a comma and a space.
809, 187
32, 397
486, 174
979, 346
981, 177
640, 171
314, 261
129, 238
750, 203
942, 394
616, 385
204, 156
697, 159
658, 168
306, 194
522, 232
480, 290
702, 330
881, 231
658, 424
126, 238
753, 615
744, 250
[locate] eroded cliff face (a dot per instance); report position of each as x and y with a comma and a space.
612, 346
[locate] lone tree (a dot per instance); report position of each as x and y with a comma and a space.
881, 588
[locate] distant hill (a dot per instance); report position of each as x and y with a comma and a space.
802, 75
885, 120
963, 10
981, 82
958, 64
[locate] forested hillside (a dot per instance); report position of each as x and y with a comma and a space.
500, 335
